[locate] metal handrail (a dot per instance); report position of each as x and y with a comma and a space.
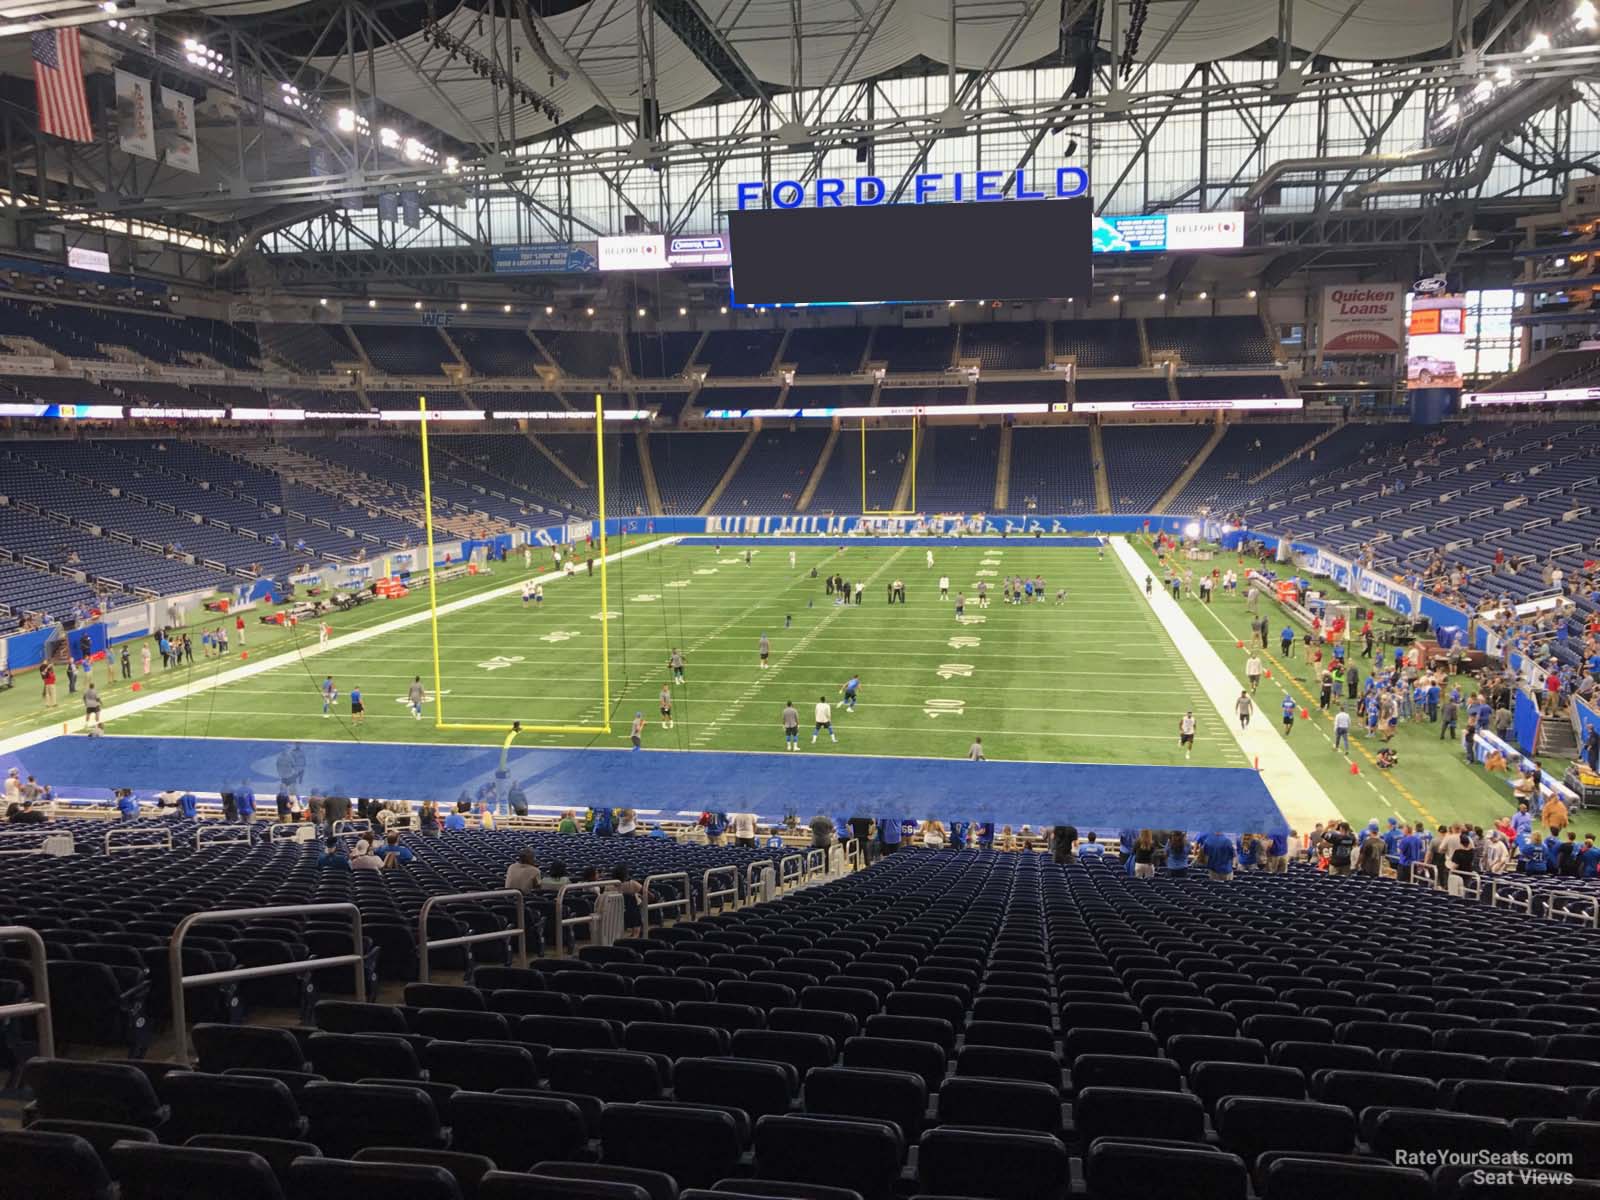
1587, 911
787, 877
1513, 894
852, 854
1472, 885
686, 902
285, 831
591, 919
751, 872
1425, 873
519, 931
706, 894
39, 1006
181, 982
163, 840
33, 847
351, 825
222, 835
816, 863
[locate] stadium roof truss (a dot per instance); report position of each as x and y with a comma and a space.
554, 120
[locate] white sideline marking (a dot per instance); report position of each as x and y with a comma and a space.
1297, 794
278, 661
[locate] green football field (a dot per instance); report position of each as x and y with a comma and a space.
1092, 679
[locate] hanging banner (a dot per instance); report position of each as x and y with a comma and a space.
1367, 318
388, 207
411, 210
175, 129
136, 124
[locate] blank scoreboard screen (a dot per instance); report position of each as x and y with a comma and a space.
1009, 250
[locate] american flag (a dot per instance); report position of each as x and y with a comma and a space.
58, 80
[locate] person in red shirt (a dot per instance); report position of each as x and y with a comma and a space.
238, 625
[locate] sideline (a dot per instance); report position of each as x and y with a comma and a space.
291, 658
1298, 795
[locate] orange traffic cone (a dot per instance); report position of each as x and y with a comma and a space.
137, 685
1269, 674
1305, 714
244, 654
1239, 645
1354, 769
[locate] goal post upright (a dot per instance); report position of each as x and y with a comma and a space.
512, 728
866, 508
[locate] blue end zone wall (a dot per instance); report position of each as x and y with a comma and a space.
1090, 795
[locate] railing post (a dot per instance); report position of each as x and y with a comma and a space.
38, 1006
816, 863
599, 887
852, 854
789, 876
1582, 907
223, 835
180, 983
706, 893
519, 931
162, 840
648, 906
1425, 875
1513, 894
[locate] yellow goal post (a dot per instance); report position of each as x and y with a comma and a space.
866, 509
512, 728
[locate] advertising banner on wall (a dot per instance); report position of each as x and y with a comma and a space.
546, 258
1363, 318
1436, 342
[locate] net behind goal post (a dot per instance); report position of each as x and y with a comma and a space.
512, 727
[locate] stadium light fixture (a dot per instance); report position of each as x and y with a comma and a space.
323, 302
1161, 295
452, 165
1251, 293
389, 138
1538, 45
109, 6
413, 149
641, 312
372, 304
590, 311
723, 310
1116, 298
506, 308
417, 305
345, 119
682, 312
548, 309
463, 306
1585, 16
1203, 295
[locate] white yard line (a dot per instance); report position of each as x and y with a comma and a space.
279, 661
1298, 795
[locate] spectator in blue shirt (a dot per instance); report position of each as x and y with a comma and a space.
1589, 858
454, 821
1286, 641
1434, 694
393, 853
1391, 836
1277, 853
1521, 821
332, 857
1219, 856
1090, 847
1530, 853
889, 834
1177, 853
245, 801
1413, 849
127, 805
